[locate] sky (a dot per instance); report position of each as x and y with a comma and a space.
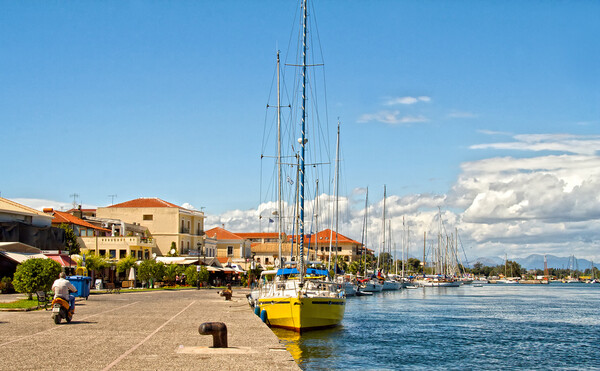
483, 112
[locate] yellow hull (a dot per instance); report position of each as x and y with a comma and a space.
300, 314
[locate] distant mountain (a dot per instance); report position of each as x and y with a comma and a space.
535, 261
487, 261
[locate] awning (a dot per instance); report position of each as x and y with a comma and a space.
63, 260
21, 257
213, 269
228, 270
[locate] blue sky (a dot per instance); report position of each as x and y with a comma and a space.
167, 99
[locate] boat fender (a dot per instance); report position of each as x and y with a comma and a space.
263, 316
257, 310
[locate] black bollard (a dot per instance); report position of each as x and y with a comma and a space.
218, 330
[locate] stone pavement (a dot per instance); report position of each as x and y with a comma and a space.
155, 330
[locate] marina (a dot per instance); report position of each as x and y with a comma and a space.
469, 327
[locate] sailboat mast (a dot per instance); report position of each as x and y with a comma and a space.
337, 193
366, 228
303, 141
424, 246
279, 191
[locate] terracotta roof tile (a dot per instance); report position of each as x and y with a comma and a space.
146, 202
63, 217
222, 234
324, 236
257, 234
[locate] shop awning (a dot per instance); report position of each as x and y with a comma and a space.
63, 260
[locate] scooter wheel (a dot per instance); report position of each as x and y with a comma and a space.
56, 319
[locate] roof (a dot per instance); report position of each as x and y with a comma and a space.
257, 235
146, 202
19, 247
63, 260
21, 257
63, 217
222, 234
324, 236
223, 260
82, 210
6, 204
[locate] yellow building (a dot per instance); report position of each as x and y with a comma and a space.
229, 245
166, 222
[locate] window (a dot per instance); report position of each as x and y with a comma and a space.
339, 248
101, 252
148, 217
140, 252
229, 250
122, 254
112, 253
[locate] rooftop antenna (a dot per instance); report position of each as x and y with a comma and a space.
74, 195
112, 199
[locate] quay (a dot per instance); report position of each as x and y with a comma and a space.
153, 330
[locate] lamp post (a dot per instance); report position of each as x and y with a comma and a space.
199, 246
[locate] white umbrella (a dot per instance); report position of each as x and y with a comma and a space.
132, 274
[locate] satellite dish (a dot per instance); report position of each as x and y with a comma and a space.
153, 255
172, 251
277, 263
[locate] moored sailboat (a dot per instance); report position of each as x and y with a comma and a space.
301, 298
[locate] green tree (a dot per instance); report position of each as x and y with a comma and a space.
171, 273
151, 271
413, 265
203, 274
174, 249
70, 239
126, 263
191, 275
95, 263
35, 275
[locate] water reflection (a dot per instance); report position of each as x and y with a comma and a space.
316, 344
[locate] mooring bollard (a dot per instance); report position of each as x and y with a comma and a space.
218, 330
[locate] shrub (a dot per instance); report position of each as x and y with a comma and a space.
35, 275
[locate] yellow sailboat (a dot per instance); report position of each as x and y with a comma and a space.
299, 298
291, 304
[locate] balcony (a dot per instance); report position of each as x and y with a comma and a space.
108, 242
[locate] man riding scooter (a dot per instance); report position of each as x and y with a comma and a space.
63, 304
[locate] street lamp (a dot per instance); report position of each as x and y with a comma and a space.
199, 246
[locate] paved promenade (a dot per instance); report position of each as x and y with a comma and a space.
142, 331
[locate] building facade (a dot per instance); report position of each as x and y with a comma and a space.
170, 226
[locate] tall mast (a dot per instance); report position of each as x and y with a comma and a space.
365, 229
279, 192
316, 243
403, 244
303, 141
424, 246
382, 249
337, 190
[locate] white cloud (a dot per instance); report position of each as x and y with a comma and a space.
40, 204
391, 117
406, 100
461, 115
518, 206
187, 205
577, 144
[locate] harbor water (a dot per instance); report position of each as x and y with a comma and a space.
494, 327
